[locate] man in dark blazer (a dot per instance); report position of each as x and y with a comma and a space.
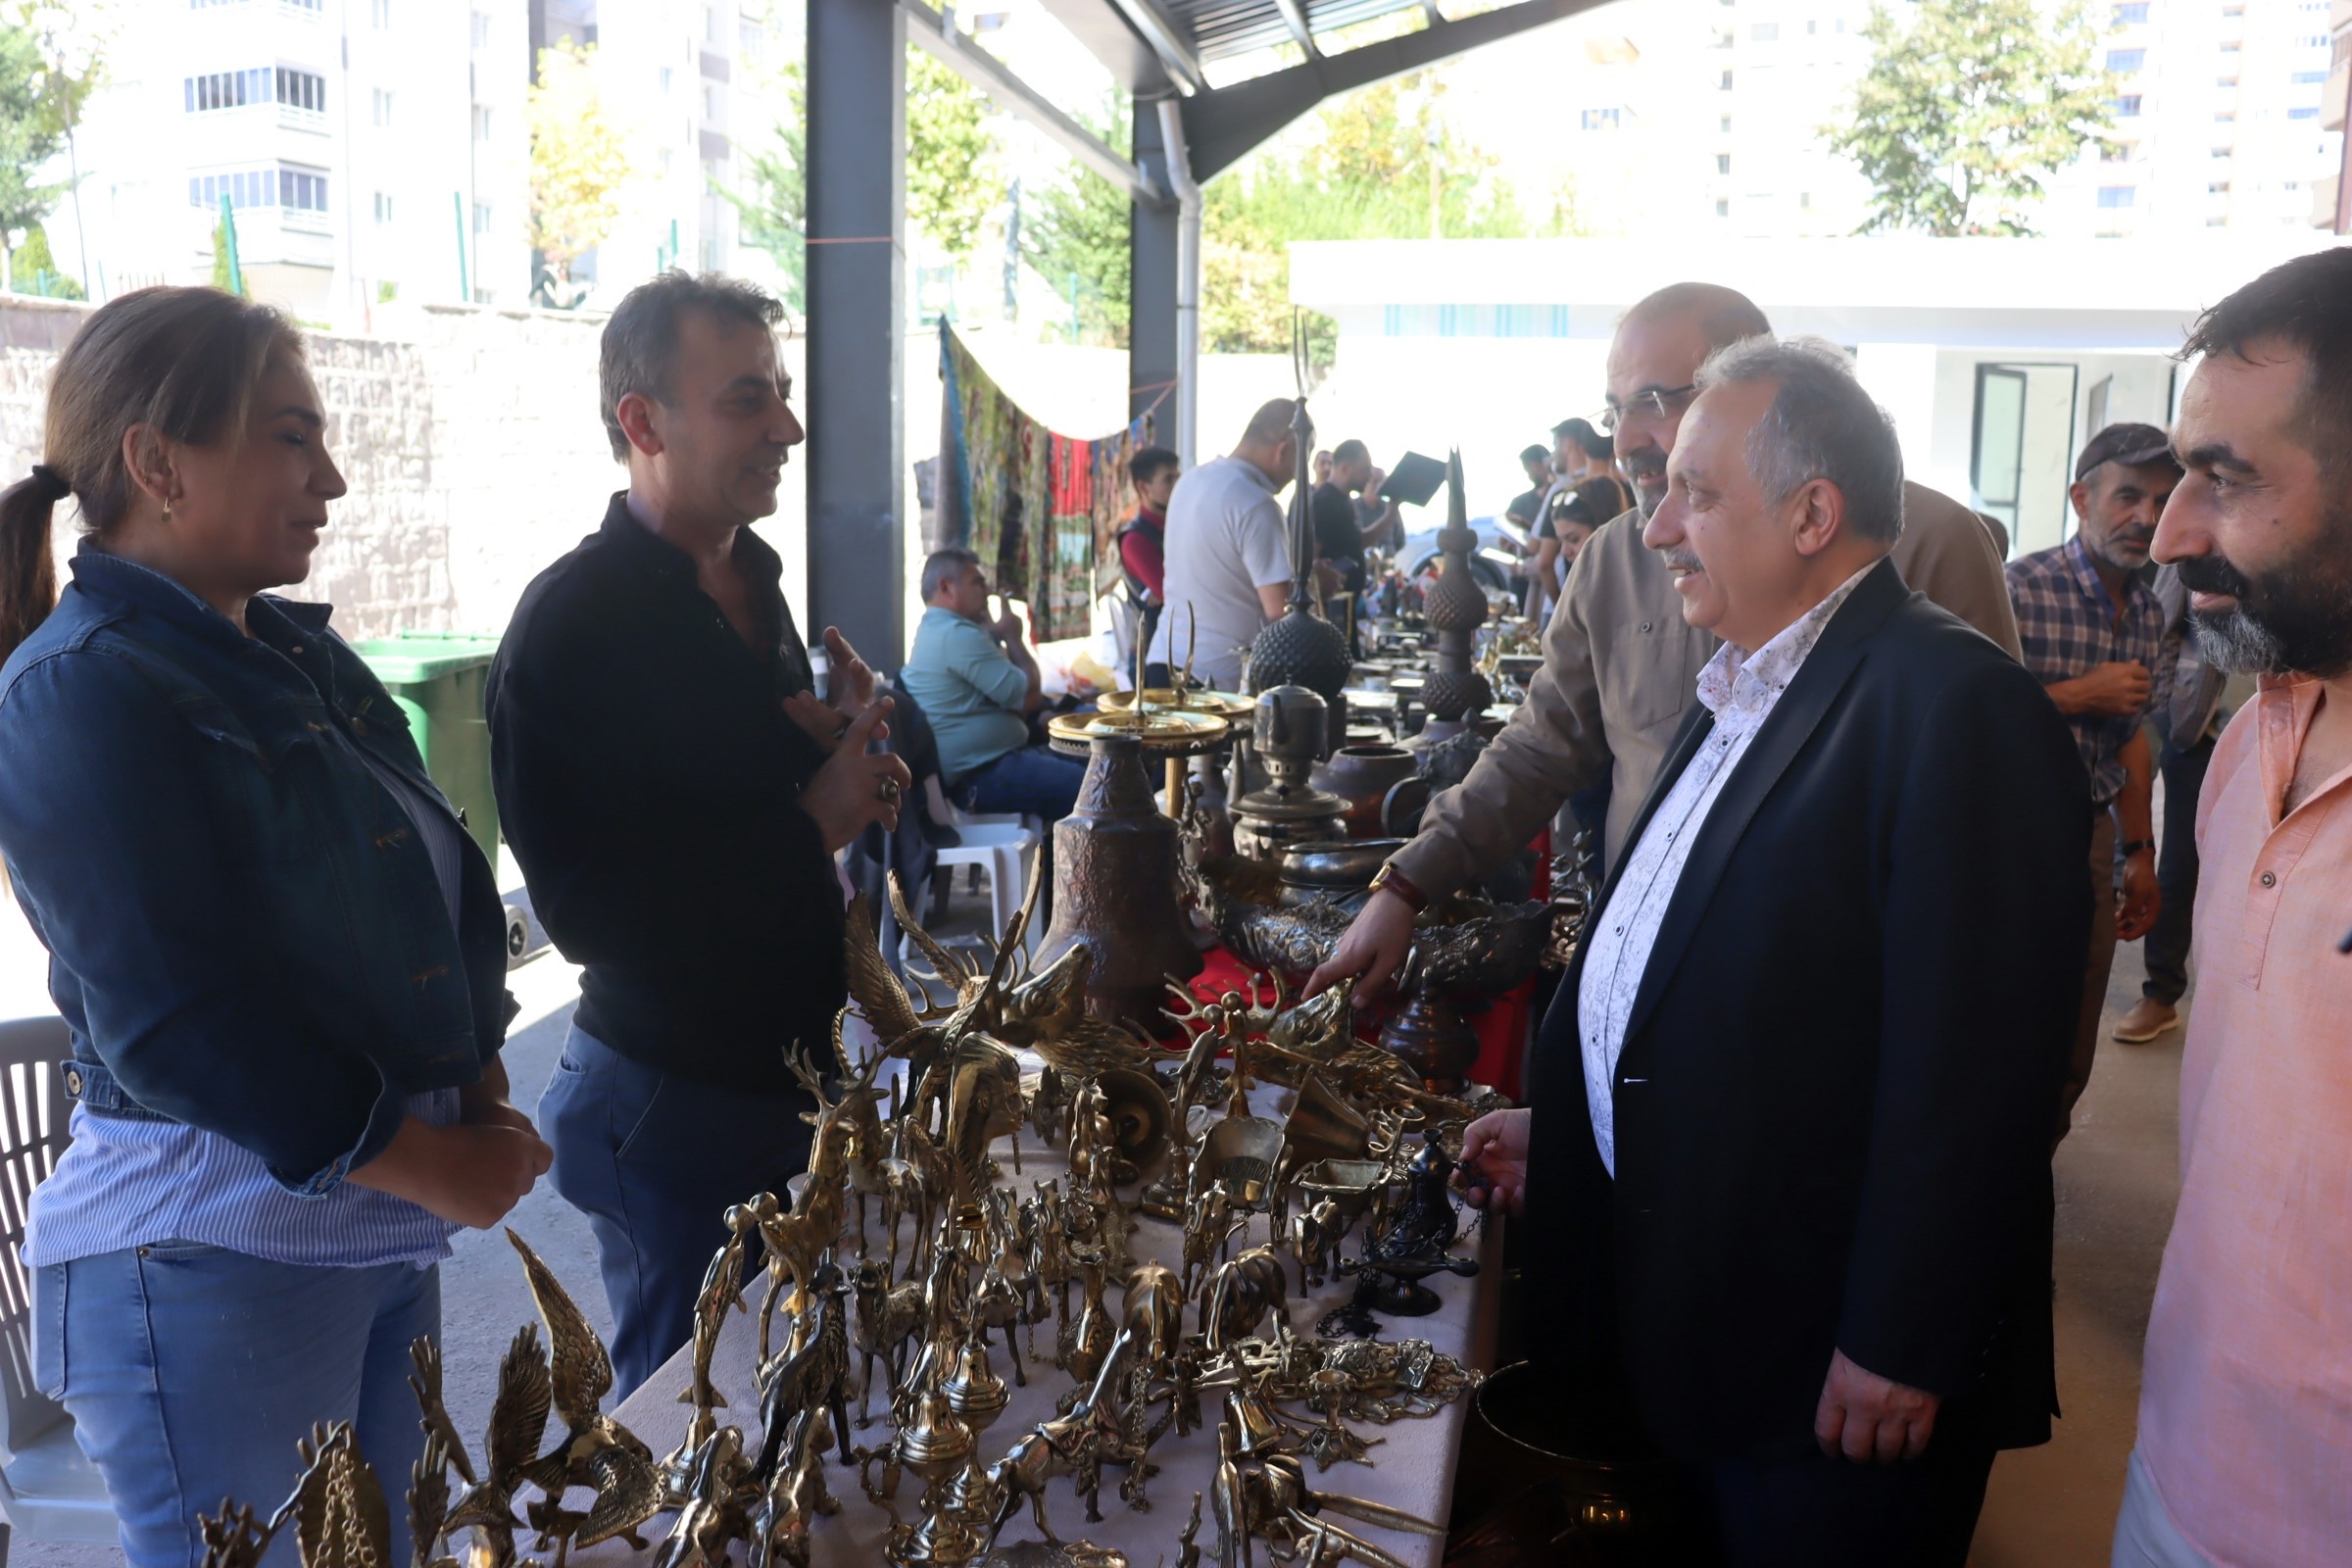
1792, 1194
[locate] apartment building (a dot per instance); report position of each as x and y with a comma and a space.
371, 151
2216, 120
361, 149
1708, 119
2332, 194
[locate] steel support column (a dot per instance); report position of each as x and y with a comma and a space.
1151, 282
857, 311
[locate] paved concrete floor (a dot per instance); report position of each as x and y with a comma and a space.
2118, 1179
2049, 1507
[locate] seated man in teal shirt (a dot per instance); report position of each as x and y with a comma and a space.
977, 684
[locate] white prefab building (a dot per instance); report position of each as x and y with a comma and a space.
1996, 358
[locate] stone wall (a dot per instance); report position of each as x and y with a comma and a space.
470, 439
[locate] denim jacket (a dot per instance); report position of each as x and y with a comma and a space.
245, 933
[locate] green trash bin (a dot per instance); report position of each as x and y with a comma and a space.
439, 679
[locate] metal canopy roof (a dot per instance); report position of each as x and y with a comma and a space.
1157, 47
1223, 29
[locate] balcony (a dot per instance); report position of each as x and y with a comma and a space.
2332, 96
2339, 16
2322, 201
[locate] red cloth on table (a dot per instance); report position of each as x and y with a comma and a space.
1502, 1029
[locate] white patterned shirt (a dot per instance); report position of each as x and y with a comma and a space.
1739, 689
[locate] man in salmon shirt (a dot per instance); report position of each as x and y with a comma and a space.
2245, 1412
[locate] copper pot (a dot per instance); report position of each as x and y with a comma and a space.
1364, 776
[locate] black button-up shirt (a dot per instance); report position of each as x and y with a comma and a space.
649, 781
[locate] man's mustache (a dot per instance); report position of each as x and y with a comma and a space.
2213, 574
1682, 561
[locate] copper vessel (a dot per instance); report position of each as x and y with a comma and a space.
1114, 889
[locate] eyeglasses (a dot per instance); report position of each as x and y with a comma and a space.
1656, 403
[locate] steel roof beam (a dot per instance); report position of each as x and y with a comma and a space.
1294, 16
1224, 126
1170, 39
940, 38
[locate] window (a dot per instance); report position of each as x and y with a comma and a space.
667, 76
2218, 188
2303, 113
244, 188
383, 208
2116, 152
2132, 13
2117, 195
380, 107
2303, 78
2231, 46
481, 29
712, 105
2126, 106
2224, 83
301, 190
1723, 163
1726, 81
1723, 206
482, 121
2234, 11
713, 32
226, 89
2223, 152
279, 185
299, 89
1764, 32
2226, 116
380, 13
482, 218
311, 6
1600, 119
1805, 200
1727, 124
2217, 222
2126, 59
1812, 27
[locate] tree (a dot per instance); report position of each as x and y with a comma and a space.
1370, 174
1968, 107
1078, 228
775, 211
579, 158
67, 64
27, 142
951, 157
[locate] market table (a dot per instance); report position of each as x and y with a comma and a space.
1412, 1461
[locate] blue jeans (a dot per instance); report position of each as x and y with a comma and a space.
1034, 780
190, 1371
654, 1159
2167, 947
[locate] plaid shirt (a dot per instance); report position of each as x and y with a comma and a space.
2068, 625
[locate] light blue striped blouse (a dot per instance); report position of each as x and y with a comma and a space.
126, 1182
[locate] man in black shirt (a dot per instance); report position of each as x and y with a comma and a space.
1342, 533
675, 791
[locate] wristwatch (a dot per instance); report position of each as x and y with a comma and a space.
2127, 847
1395, 881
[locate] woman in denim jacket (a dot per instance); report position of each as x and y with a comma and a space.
281, 959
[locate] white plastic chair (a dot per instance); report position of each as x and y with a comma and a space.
48, 1489
999, 843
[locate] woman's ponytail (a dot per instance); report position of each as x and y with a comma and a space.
28, 570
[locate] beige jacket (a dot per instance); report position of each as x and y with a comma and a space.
1621, 664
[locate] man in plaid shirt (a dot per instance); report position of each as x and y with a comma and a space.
2093, 635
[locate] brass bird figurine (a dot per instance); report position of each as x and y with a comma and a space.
597, 1452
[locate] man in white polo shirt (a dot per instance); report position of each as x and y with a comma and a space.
1228, 553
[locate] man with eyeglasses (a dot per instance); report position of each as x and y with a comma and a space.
1620, 663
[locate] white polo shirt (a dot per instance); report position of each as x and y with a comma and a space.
1225, 541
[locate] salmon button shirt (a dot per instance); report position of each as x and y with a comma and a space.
2246, 1411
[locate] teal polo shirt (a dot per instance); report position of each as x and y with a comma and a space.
969, 688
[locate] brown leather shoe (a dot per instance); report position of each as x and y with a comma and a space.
2148, 1019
